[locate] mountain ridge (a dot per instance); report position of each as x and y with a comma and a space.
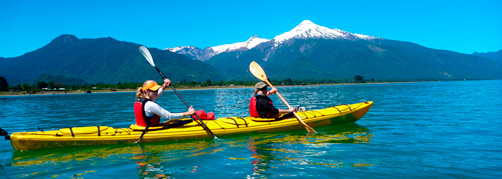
342, 59
102, 60
305, 30
497, 56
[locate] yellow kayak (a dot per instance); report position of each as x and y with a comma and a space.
104, 135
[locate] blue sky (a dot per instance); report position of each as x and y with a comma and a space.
456, 25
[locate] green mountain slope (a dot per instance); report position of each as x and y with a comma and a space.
103, 60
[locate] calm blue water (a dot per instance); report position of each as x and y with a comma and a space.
414, 130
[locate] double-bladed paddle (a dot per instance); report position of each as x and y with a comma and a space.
258, 72
144, 51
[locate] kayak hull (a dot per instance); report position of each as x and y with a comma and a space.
104, 135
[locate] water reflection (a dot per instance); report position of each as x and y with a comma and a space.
149, 158
273, 153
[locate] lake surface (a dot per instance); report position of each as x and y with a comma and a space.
413, 130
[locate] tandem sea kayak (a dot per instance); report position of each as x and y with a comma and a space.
104, 135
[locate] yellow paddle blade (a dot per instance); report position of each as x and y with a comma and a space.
257, 71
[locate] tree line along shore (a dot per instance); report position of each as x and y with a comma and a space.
51, 87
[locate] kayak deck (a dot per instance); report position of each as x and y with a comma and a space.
104, 135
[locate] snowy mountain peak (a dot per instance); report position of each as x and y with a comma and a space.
254, 41
208, 52
176, 49
309, 30
193, 52
253, 37
249, 44
306, 23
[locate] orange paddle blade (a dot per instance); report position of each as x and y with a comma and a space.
257, 71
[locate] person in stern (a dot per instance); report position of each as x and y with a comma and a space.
149, 112
261, 105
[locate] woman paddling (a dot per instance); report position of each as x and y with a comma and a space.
261, 105
149, 112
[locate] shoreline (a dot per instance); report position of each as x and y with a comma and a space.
102, 91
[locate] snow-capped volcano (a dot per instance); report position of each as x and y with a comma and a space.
308, 30
305, 30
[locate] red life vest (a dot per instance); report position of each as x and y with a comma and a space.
141, 118
252, 107
253, 111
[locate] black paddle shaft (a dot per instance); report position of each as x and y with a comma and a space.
186, 104
161, 74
